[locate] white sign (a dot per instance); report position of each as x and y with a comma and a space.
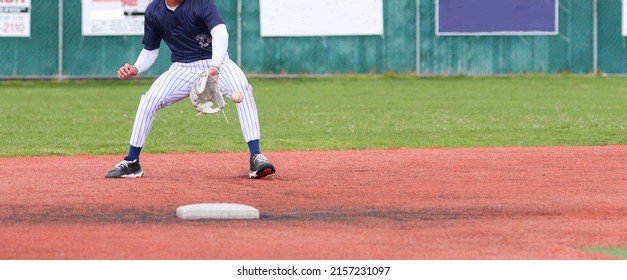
15, 18
113, 17
624, 18
321, 17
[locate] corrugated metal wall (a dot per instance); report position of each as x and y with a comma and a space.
572, 50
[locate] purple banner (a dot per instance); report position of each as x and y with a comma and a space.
460, 17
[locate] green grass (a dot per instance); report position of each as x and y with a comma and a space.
620, 252
356, 112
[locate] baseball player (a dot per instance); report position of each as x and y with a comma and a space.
196, 34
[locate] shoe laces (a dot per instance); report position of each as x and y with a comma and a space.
259, 158
123, 163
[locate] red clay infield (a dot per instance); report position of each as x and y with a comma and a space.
393, 204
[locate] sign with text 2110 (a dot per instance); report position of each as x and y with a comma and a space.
15, 18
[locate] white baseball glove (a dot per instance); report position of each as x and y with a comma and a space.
206, 95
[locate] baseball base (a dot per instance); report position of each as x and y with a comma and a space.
218, 211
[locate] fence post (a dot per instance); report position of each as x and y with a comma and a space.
417, 37
60, 43
239, 33
595, 38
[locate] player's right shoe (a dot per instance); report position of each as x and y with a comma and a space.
126, 169
260, 167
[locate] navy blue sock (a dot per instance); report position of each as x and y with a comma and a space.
253, 147
133, 153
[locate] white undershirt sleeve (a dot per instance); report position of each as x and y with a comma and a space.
219, 44
145, 59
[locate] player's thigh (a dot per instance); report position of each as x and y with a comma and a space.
232, 77
171, 86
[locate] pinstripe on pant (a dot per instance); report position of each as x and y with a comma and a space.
175, 84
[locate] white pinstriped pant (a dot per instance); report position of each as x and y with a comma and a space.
175, 84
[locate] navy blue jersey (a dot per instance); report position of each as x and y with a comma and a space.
185, 30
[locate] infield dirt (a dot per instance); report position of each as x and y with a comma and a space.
482, 203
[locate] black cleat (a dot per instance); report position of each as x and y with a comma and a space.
126, 169
260, 167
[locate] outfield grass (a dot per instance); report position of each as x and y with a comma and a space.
619, 252
357, 112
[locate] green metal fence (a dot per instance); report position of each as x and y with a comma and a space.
612, 46
569, 51
395, 51
589, 40
36, 56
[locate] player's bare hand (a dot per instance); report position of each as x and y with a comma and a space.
127, 71
213, 72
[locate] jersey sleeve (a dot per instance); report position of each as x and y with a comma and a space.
152, 39
210, 15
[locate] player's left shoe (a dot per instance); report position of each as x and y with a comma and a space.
260, 167
126, 169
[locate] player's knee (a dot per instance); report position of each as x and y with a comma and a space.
248, 88
151, 102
